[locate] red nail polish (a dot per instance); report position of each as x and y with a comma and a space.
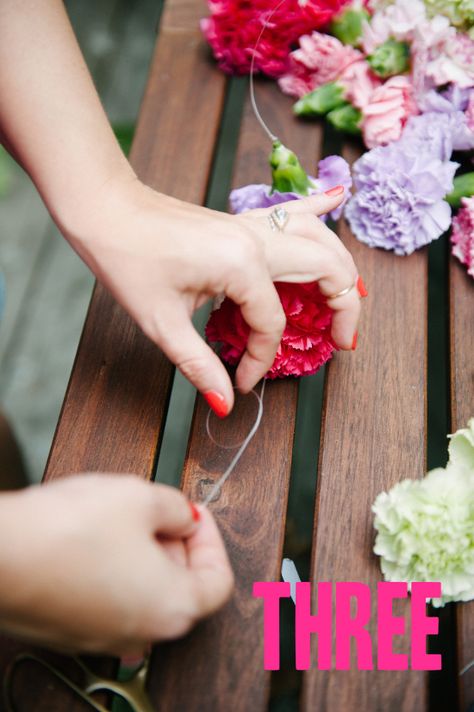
361, 287
216, 401
332, 192
195, 512
354, 341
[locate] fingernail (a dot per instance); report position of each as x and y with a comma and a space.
195, 512
361, 287
354, 341
332, 192
216, 401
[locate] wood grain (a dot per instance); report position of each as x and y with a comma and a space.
222, 660
113, 413
373, 435
462, 408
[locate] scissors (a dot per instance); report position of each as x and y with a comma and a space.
132, 690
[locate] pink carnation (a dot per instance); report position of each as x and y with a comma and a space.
462, 236
399, 20
234, 26
319, 59
359, 82
306, 343
387, 112
453, 61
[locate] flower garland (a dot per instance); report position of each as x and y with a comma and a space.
398, 74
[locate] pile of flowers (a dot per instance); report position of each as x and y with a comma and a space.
426, 527
398, 74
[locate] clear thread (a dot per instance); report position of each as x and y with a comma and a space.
253, 102
243, 446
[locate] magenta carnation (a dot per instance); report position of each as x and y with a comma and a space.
306, 342
234, 26
462, 236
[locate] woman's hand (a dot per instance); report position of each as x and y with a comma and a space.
162, 259
104, 563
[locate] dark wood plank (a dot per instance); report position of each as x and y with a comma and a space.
373, 434
120, 383
113, 414
462, 400
222, 660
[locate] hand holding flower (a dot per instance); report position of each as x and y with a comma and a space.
162, 259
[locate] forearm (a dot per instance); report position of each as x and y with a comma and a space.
50, 114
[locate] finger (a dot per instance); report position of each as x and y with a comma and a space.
300, 260
182, 344
171, 513
174, 549
315, 204
344, 321
310, 227
262, 310
296, 259
209, 568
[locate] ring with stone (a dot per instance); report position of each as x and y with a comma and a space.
278, 219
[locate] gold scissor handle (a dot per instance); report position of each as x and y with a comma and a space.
133, 690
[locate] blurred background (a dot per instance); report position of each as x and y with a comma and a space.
46, 287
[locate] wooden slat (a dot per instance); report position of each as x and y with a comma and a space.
462, 408
113, 413
221, 662
373, 434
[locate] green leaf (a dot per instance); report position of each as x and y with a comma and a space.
318, 102
346, 118
348, 26
463, 187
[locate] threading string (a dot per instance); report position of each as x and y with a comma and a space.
221, 481
253, 102
466, 668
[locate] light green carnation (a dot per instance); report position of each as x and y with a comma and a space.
461, 447
426, 527
459, 12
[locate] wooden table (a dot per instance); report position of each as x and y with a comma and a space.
373, 421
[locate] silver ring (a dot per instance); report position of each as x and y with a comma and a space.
278, 219
343, 292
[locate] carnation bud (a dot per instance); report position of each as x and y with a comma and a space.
323, 99
287, 172
390, 58
463, 187
347, 27
346, 118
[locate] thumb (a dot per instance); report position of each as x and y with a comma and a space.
195, 359
208, 565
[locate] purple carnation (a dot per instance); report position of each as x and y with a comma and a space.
399, 204
440, 133
332, 171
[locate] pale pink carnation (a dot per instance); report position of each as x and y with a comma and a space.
399, 20
387, 112
462, 236
319, 59
359, 82
452, 61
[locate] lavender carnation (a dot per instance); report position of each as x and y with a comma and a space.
399, 204
332, 171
